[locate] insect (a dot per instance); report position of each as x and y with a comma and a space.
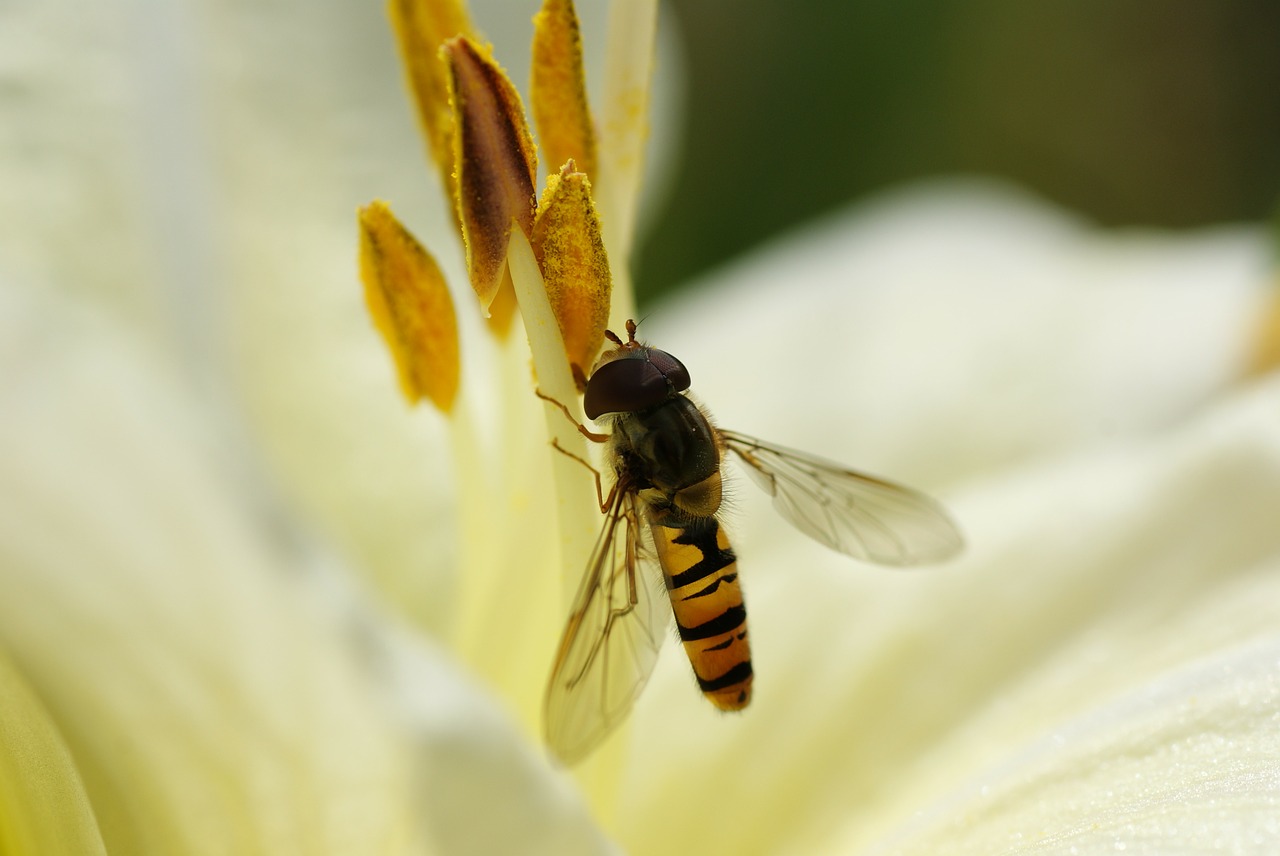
660, 515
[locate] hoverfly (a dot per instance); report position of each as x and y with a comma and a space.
660, 514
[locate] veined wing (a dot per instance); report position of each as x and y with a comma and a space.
856, 514
611, 640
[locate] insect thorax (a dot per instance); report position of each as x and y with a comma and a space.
669, 453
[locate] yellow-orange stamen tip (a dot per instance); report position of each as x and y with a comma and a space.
1265, 354
496, 163
421, 27
411, 307
558, 90
570, 251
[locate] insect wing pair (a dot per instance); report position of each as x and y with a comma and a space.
619, 620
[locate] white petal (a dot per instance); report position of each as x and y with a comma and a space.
197, 166
954, 328
1184, 764
219, 686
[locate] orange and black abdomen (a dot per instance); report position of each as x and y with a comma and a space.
702, 579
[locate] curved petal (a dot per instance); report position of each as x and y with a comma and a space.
42, 799
959, 327
1184, 763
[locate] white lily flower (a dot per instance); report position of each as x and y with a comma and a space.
183, 671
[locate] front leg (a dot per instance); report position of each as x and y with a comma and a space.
604, 501
582, 429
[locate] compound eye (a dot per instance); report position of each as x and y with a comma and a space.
672, 369
623, 386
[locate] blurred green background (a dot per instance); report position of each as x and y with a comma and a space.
1156, 112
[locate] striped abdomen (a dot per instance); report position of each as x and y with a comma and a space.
702, 580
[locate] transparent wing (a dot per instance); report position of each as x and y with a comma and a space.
856, 514
611, 641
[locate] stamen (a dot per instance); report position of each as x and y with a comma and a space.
421, 27
411, 307
496, 163
558, 89
624, 131
570, 251
1265, 354
576, 508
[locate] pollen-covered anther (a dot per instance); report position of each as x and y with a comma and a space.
496, 163
558, 90
421, 27
570, 250
411, 307
1265, 351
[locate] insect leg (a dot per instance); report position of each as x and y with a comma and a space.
605, 502
582, 429
633, 597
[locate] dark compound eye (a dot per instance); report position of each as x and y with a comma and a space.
672, 369
623, 386
634, 383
